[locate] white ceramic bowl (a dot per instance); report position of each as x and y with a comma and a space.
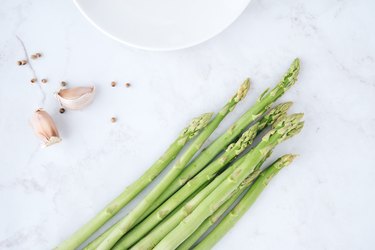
161, 24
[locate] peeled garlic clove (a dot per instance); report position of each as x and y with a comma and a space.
45, 128
75, 98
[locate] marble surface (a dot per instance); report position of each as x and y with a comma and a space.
324, 201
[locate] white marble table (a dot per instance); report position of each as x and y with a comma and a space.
324, 201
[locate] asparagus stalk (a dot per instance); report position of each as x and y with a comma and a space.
284, 129
210, 221
94, 244
209, 153
204, 176
151, 239
239, 210
136, 187
129, 221
164, 210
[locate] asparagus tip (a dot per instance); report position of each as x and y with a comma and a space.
287, 126
297, 116
286, 105
287, 159
290, 119
297, 129
296, 62
201, 121
290, 76
242, 91
196, 124
277, 113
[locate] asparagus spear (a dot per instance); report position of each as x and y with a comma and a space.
239, 210
94, 244
209, 153
210, 221
129, 221
189, 242
136, 187
204, 176
214, 218
284, 129
151, 239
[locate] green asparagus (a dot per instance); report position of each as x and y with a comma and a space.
209, 153
284, 129
94, 244
136, 187
204, 176
239, 210
255, 156
189, 242
151, 239
129, 221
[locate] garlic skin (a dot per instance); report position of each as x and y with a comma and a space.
75, 98
45, 128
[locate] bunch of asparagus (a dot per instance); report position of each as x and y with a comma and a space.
204, 193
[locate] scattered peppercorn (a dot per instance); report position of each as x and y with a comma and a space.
113, 84
113, 119
33, 80
36, 56
127, 84
62, 110
64, 83
44, 80
21, 62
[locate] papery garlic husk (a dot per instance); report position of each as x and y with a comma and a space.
45, 128
75, 98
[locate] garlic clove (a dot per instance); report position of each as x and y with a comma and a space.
74, 93
76, 98
52, 141
45, 128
